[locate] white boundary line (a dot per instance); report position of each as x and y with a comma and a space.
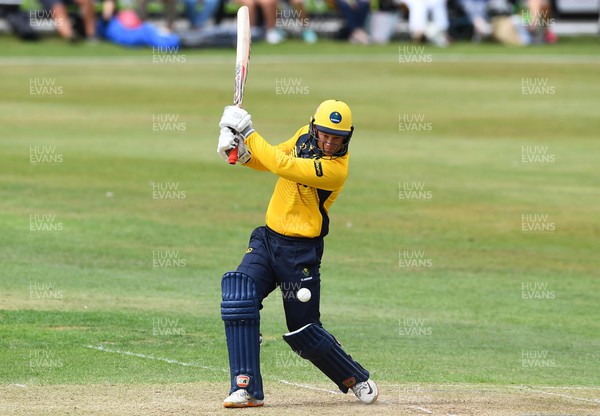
489, 387
171, 361
150, 357
309, 387
596, 401
422, 409
569, 387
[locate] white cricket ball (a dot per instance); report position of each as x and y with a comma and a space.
303, 295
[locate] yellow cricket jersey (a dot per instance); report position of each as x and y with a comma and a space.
307, 185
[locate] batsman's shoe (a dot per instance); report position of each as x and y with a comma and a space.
241, 398
367, 391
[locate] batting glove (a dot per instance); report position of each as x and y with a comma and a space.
228, 141
237, 119
244, 154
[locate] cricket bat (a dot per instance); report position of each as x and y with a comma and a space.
242, 58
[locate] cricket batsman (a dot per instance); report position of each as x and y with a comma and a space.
312, 167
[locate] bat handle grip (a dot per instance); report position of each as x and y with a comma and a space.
233, 156
233, 153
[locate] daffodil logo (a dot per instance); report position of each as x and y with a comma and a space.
335, 117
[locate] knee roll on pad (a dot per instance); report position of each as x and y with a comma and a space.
240, 300
314, 343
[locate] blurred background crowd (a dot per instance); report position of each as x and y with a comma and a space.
203, 23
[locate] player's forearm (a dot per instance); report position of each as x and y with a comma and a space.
255, 164
285, 147
322, 174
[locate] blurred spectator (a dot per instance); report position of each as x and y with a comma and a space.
127, 29
476, 10
419, 25
356, 13
198, 21
269, 14
309, 35
521, 22
538, 16
170, 7
383, 20
60, 15
507, 27
109, 9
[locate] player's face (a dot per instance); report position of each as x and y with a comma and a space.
329, 143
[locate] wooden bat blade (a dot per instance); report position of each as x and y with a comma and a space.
242, 58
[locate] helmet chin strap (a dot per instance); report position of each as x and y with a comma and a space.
313, 138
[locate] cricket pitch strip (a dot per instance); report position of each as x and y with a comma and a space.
282, 399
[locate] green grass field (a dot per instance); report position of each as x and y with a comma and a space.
506, 223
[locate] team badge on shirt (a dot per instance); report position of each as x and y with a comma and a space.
318, 168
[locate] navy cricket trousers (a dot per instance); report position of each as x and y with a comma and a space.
291, 263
